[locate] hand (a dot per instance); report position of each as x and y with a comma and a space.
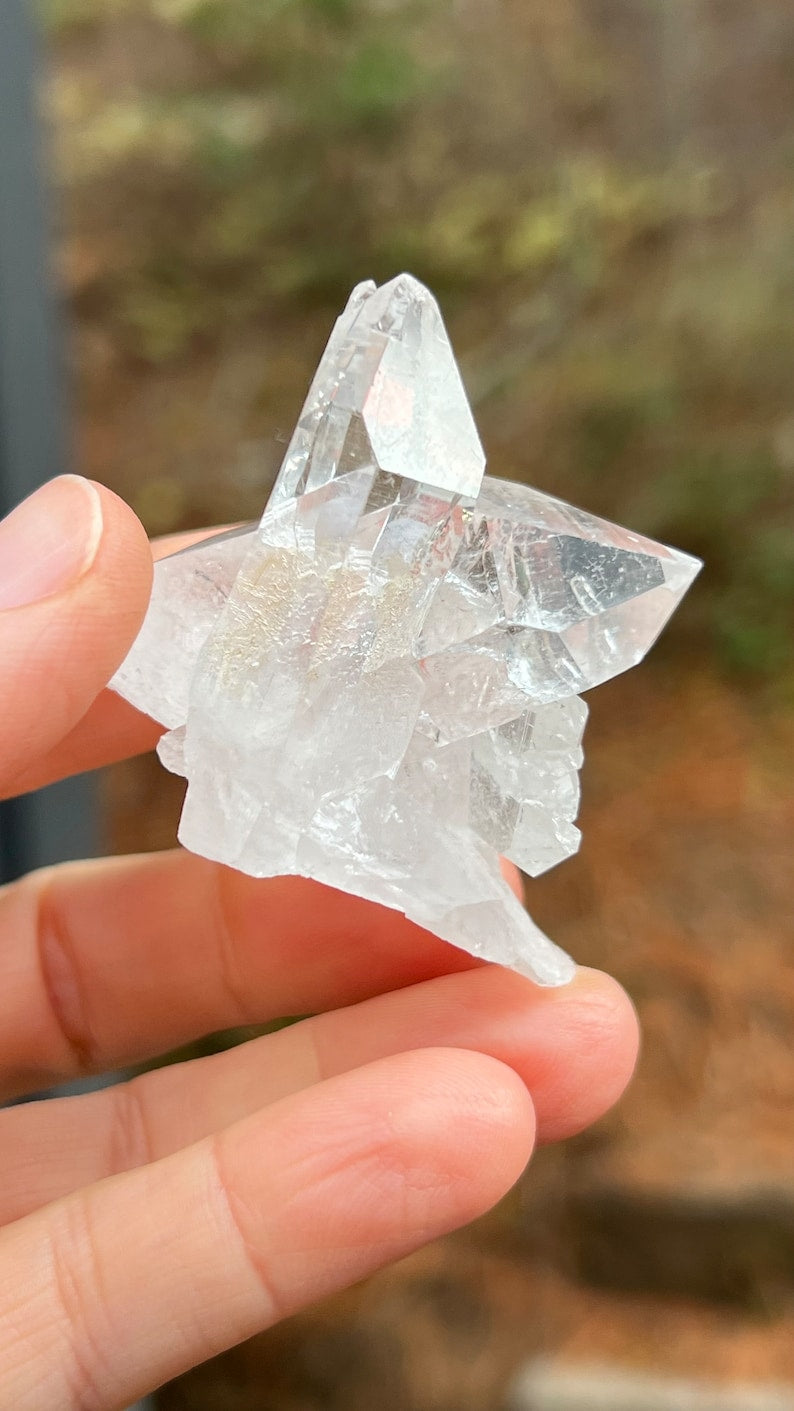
150, 1225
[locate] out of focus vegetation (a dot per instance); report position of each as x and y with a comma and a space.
601, 193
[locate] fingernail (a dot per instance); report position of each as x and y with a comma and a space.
49, 541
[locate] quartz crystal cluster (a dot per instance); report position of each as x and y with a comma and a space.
379, 685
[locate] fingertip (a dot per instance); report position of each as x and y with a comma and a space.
612, 1021
78, 570
124, 558
592, 1058
462, 1119
379, 1161
574, 1047
483, 1119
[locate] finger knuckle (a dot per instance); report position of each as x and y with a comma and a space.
60, 973
129, 1140
244, 1225
80, 1305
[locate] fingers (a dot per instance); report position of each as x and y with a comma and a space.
573, 1048
105, 963
108, 1293
75, 575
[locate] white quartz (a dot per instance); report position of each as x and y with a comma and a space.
378, 686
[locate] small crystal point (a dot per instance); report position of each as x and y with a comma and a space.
543, 601
387, 394
378, 686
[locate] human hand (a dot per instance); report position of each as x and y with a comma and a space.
148, 1226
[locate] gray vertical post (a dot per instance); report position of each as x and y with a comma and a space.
58, 822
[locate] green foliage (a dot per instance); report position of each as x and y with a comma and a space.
338, 11
64, 16
754, 614
378, 80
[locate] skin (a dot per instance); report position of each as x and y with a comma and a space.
148, 1226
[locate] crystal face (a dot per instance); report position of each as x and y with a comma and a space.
378, 686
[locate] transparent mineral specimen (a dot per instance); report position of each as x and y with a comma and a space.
378, 686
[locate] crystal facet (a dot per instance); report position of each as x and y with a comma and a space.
378, 686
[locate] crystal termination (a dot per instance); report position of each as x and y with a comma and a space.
378, 686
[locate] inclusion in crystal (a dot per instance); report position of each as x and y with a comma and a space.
379, 685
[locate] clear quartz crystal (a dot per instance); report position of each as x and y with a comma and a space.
378, 686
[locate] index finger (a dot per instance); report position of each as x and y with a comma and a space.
111, 729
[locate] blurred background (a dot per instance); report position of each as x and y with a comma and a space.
601, 194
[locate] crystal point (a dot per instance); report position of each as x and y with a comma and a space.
378, 686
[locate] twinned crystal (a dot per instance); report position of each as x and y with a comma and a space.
378, 686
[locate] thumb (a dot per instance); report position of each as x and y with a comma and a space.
75, 578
